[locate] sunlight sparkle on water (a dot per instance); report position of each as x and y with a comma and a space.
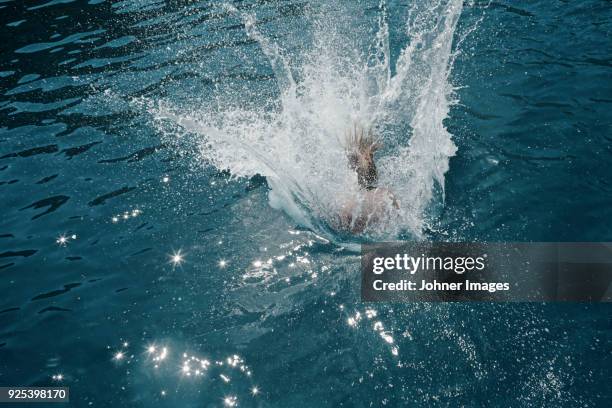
190, 366
386, 337
377, 327
160, 356
126, 215
352, 321
230, 401
177, 258
63, 239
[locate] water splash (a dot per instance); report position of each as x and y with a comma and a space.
325, 88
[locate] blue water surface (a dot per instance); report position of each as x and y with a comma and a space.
139, 278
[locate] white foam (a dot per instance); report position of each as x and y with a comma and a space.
299, 147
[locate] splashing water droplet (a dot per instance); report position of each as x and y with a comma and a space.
300, 147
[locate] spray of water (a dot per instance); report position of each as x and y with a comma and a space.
300, 146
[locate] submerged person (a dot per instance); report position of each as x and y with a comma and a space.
372, 204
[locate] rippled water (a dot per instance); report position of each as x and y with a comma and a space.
138, 271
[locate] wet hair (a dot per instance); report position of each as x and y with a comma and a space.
361, 146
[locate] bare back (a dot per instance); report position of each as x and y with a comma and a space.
366, 209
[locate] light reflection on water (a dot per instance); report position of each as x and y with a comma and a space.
95, 209
184, 375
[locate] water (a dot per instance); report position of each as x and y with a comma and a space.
167, 170
299, 145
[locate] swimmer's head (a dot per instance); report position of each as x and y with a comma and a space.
361, 146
